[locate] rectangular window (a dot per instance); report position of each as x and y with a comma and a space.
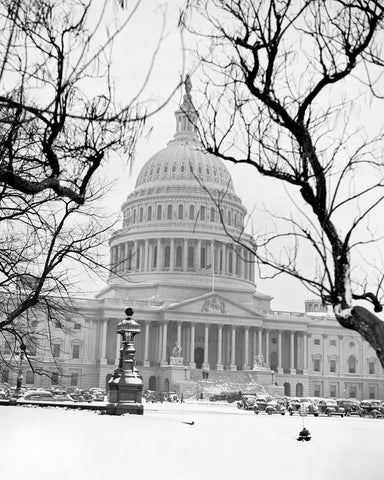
332, 391
7, 349
74, 379
352, 391
317, 390
316, 364
332, 343
56, 350
77, 326
371, 366
30, 377
54, 378
372, 391
316, 341
57, 324
332, 365
76, 351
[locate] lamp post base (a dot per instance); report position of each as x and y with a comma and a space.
123, 408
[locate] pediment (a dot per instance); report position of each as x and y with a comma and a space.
213, 304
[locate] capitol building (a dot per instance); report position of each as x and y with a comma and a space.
192, 288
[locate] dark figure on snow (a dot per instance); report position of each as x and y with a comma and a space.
304, 435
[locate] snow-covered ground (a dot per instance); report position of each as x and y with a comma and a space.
223, 443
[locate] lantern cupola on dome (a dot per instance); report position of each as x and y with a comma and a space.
186, 115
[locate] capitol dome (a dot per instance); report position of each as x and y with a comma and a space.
177, 219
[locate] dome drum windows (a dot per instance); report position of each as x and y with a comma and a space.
169, 212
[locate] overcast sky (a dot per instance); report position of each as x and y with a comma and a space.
132, 55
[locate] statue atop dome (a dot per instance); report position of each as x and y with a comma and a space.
188, 85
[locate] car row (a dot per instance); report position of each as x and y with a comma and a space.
151, 396
54, 394
336, 407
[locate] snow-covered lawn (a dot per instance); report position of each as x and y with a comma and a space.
223, 443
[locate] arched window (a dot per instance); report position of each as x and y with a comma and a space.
141, 214
181, 212
229, 218
169, 212
154, 257
352, 364
167, 256
230, 259
149, 213
158, 212
202, 213
191, 212
299, 390
179, 256
202, 258
130, 259
212, 214
287, 389
134, 216
191, 257
137, 258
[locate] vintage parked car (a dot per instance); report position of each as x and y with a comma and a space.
45, 396
215, 397
170, 397
350, 405
233, 396
270, 407
247, 401
96, 393
371, 408
330, 408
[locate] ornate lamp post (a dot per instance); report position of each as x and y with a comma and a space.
126, 384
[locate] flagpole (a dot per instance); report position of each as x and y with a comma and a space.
213, 266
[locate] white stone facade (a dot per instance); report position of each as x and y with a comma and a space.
189, 283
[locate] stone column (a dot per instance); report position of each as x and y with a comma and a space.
260, 339
185, 255
103, 344
192, 363
280, 352
135, 253
292, 360
267, 362
159, 343
146, 345
159, 258
150, 256
254, 345
219, 365
222, 271
198, 255
146, 256
178, 338
305, 354
233, 366
164, 346
206, 347
172, 256
246, 349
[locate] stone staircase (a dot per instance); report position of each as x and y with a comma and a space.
226, 381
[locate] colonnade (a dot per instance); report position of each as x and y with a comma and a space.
224, 347
185, 255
